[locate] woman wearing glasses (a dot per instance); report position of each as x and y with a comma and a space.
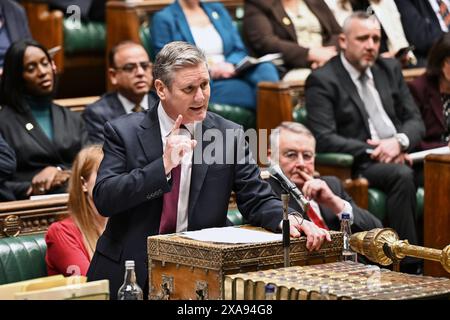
44, 136
209, 27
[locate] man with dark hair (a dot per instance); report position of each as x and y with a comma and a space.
155, 178
130, 73
360, 104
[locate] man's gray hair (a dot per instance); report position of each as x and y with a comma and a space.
294, 127
357, 15
175, 56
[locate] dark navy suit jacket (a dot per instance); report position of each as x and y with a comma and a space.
170, 24
421, 26
131, 182
107, 108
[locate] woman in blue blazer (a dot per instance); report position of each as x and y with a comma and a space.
209, 26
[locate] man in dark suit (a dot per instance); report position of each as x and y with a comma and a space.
156, 179
7, 168
361, 105
293, 148
131, 75
421, 24
13, 26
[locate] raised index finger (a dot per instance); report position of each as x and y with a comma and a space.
177, 125
305, 176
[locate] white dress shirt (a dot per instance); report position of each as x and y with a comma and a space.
166, 124
128, 105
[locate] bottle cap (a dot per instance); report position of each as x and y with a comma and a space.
129, 263
346, 216
270, 288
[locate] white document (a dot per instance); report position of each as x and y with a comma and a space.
419, 156
232, 235
49, 196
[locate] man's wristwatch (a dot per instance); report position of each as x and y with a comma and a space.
403, 141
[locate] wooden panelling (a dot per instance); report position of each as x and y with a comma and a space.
437, 209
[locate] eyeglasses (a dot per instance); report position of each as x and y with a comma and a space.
133, 67
307, 156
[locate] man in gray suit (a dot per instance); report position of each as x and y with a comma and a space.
131, 74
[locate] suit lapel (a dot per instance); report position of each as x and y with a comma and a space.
183, 26
349, 86
321, 15
116, 106
382, 85
199, 171
34, 130
149, 134
283, 19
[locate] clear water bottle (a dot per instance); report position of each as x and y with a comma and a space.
130, 289
324, 292
347, 253
269, 292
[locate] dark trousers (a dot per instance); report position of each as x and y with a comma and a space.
398, 182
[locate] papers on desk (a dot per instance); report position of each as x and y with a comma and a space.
419, 156
231, 235
49, 196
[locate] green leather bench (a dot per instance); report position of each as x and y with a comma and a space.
22, 258
85, 37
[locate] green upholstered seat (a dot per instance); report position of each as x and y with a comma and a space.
84, 37
22, 258
242, 116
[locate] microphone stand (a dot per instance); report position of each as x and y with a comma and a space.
286, 229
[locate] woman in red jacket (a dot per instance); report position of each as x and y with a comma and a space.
71, 242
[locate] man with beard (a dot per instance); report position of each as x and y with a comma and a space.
358, 103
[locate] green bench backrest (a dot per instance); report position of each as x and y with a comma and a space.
22, 258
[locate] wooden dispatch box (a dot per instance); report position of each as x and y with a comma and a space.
182, 268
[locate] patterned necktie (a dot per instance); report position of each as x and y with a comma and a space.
137, 108
443, 10
382, 128
314, 217
168, 222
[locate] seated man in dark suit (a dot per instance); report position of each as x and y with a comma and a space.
361, 105
293, 148
7, 168
131, 75
156, 179
13, 26
89, 9
423, 23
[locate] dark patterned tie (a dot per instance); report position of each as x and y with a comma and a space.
443, 10
168, 222
137, 108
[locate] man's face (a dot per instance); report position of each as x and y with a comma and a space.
132, 74
362, 43
37, 72
296, 154
188, 94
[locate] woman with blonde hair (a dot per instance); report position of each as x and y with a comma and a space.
72, 241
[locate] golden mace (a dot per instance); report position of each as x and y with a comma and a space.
383, 246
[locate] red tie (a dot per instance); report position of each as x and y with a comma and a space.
315, 218
168, 222
443, 10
